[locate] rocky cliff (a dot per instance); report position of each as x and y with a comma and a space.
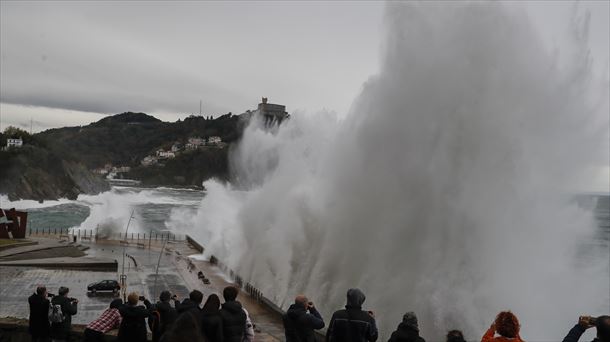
32, 172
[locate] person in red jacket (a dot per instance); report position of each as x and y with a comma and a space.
507, 326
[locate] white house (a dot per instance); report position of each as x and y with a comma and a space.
148, 160
14, 142
165, 154
176, 147
194, 143
214, 140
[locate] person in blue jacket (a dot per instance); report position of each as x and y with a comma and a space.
602, 323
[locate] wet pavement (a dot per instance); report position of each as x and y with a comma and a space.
18, 283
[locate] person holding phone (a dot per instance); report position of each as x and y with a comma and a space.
133, 324
301, 319
601, 323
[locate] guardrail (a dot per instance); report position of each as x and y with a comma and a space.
92, 234
250, 289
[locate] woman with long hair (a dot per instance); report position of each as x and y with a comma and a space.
211, 321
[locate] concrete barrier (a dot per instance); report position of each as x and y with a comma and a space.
194, 243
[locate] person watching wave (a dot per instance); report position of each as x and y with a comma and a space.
352, 323
507, 326
300, 321
601, 323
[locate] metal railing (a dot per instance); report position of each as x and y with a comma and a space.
92, 234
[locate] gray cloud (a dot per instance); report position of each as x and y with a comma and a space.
109, 57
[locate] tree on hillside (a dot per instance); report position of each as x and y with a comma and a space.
12, 132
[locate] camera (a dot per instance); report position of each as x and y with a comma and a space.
141, 298
593, 321
50, 295
71, 299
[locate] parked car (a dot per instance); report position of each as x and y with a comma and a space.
104, 285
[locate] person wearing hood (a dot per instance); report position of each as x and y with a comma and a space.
408, 330
163, 316
301, 320
108, 320
211, 321
39, 326
133, 325
352, 324
233, 316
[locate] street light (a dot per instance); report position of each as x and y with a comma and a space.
123, 278
159, 262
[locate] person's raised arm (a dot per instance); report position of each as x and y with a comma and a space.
489, 334
315, 319
584, 323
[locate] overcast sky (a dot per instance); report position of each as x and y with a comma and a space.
70, 62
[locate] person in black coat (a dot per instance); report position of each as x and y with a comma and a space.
408, 330
299, 324
190, 304
455, 336
133, 325
39, 326
211, 322
602, 323
62, 330
186, 328
165, 318
352, 324
233, 316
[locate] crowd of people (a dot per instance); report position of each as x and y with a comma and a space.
51, 320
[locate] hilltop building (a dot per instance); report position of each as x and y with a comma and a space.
149, 160
214, 140
165, 154
195, 143
270, 112
14, 143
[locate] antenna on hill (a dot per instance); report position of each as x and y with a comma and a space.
31, 125
200, 104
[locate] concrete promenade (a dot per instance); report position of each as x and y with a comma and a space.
17, 283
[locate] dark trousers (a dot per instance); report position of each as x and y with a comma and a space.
93, 336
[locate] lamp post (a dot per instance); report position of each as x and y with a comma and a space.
123, 278
157, 271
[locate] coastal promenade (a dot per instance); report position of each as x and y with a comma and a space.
177, 273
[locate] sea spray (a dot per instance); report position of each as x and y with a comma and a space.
444, 191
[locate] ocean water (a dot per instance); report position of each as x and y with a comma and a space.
110, 211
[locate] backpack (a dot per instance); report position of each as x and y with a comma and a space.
55, 313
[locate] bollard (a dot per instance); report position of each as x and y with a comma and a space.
132, 236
